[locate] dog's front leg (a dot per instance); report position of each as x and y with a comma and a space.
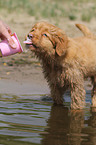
94, 92
57, 94
77, 95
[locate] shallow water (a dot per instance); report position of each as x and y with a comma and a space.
33, 120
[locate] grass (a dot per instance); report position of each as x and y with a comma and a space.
86, 17
56, 9
88, 14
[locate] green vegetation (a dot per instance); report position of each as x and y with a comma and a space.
71, 9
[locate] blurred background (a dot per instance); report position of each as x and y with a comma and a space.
22, 14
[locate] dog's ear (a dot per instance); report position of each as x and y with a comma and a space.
61, 42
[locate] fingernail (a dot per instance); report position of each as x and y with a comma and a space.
14, 45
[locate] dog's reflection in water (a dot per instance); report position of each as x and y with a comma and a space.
68, 127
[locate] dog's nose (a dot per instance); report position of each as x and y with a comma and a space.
30, 36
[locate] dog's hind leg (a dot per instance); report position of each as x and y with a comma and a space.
94, 91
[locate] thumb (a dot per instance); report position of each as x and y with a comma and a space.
10, 40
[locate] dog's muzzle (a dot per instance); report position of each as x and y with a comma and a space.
28, 41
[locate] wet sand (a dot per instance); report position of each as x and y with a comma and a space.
22, 80
19, 88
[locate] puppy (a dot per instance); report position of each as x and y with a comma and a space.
65, 61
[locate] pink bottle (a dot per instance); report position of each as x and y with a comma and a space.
6, 50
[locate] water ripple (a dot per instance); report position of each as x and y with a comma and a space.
33, 120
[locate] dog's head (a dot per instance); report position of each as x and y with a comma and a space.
45, 37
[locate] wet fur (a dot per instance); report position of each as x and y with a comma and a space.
65, 61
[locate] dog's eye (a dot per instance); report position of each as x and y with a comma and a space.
45, 35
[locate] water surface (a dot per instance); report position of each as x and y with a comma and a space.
33, 120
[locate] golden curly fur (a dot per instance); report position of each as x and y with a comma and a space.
65, 61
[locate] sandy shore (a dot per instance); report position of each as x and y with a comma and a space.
25, 88
22, 79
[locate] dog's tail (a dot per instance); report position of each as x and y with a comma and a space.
85, 31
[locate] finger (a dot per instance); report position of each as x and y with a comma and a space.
5, 34
9, 31
8, 28
2, 37
10, 40
12, 43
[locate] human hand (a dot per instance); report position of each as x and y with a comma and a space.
5, 33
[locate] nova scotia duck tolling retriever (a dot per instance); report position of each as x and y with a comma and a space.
65, 61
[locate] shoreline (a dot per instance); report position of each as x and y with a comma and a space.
26, 80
